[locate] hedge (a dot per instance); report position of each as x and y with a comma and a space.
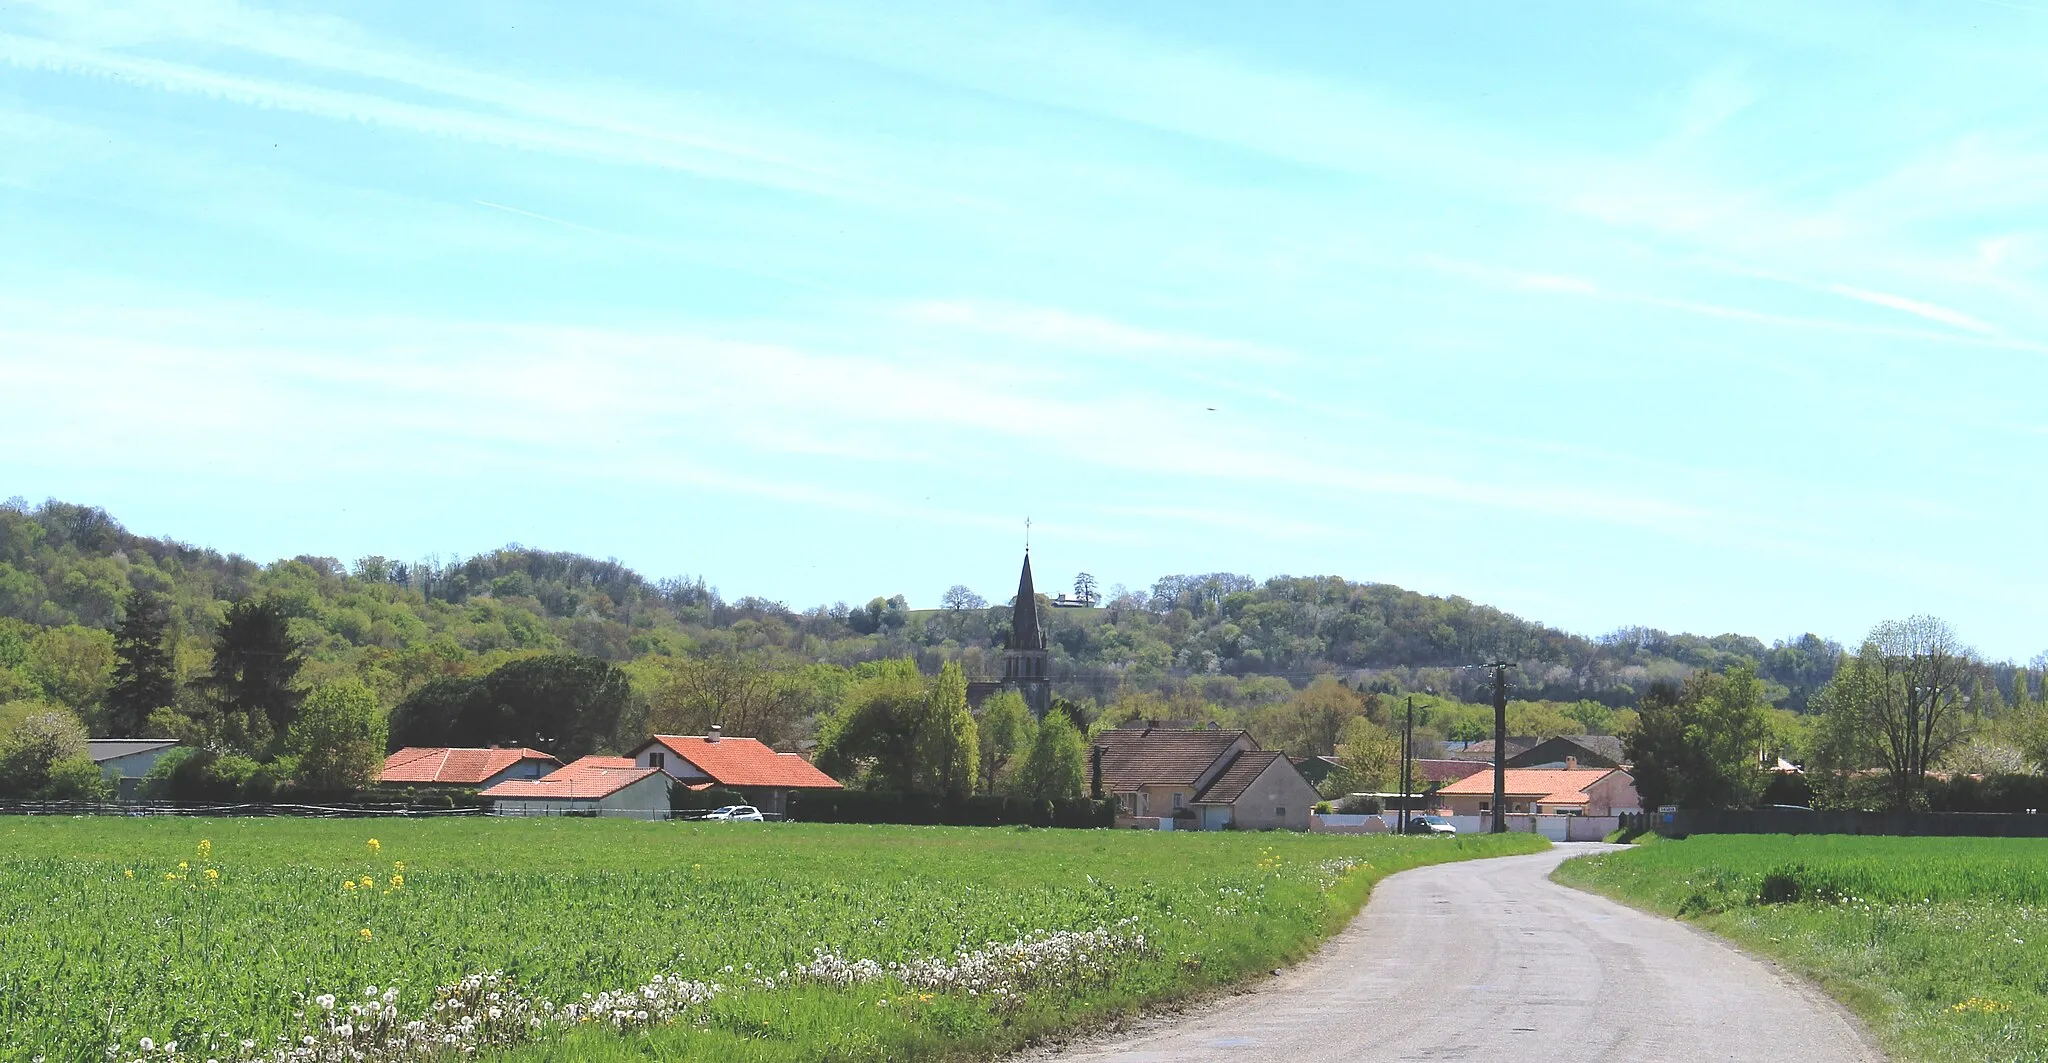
867, 806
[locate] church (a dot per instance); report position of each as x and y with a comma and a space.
1026, 664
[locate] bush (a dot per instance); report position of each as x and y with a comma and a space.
683, 799
981, 810
1359, 805
76, 779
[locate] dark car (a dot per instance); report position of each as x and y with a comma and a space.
1436, 826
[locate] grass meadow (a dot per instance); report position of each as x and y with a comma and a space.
1940, 944
246, 939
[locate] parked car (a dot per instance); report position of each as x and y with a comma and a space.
1432, 825
735, 814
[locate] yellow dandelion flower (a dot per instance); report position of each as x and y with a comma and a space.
205, 848
348, 884
399, 867
130, 872
375, 847
170, 877
183, 866
368, 883
365, 932
212, 874
398, 882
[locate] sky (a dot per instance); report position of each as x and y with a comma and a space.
1725, 315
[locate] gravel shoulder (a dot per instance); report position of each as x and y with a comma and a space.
1490, 960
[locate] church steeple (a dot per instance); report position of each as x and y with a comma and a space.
1024, 631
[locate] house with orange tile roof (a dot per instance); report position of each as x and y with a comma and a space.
1567, 791
1201, 778
760, 774
446, 766
609, 787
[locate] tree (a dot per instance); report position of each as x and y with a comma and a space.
1006, 729
1084, 589
948, 745
1057, 766
36, 744
1898, 704
72, 664
738, 692
1369, 756
562, 704
256, 662
145, 679
959, 597
900, 732
873, 736
338, 738
1313, 722
1699, 745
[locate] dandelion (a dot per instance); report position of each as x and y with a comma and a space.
364, 933
367, 883
398, 882
213, 874
205, 848
130, 872
348, 884
375, 847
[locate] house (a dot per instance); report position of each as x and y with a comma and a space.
1567, 791
126, 760
480, 768
760, 774
1482, 750
1590, 751
611, 787
1201, 778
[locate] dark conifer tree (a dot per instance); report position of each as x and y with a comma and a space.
256, 663
144, 678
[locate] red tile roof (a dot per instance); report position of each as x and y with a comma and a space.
1546, 785
587, 778
454, 767
745, 762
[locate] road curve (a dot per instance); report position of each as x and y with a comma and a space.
1490, 960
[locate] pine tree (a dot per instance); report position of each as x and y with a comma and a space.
144, 679
256, 665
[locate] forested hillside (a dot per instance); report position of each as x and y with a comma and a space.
65, 568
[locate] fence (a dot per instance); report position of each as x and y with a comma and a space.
1555, 828
1801, 821
182, 808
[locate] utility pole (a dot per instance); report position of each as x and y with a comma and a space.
1407, 757
1500, 745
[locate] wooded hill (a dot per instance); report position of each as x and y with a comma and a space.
1219, 638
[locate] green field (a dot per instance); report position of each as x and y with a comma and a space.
1940, 944
726, 942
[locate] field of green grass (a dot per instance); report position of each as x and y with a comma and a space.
597, 939
1940, 944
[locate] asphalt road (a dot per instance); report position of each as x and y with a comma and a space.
1489, 960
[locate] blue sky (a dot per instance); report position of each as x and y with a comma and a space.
1713, 316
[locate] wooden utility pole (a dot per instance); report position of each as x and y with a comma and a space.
1407, 757
1500, 745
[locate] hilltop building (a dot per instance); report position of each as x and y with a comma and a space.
1026, 663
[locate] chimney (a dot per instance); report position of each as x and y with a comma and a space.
715, 732
1570, 763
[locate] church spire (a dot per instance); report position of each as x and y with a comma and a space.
1024, 632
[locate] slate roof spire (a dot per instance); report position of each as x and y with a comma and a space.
1024, 630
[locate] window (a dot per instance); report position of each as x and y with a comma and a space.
656, 759
1177, 797
1280, 810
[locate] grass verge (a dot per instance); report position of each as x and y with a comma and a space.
242, 939
1938, 944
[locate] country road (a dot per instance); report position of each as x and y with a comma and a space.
1490, 960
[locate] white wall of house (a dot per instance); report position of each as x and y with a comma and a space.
656, 755
126, 772
1279, 799
646, 799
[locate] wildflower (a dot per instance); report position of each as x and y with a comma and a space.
130, 872
398, 882
325, 1001
399, 867
213, 874
205, 848
365, 932
146, 1044
368, 883
375, 847
348, 884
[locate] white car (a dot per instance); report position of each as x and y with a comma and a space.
735, 814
